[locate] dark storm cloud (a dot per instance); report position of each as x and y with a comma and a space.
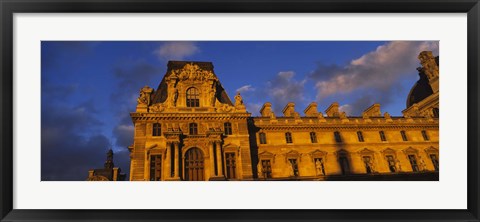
131, 77
377, 71
67, 152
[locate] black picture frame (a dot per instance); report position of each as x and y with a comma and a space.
9, 7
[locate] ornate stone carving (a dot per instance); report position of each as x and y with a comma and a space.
225, 108
193, 72
429, 66
238, 100
157, 107
144, 97
212, 96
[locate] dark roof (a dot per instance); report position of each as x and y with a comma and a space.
421, 89
160, 95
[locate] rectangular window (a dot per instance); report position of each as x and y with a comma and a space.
288, 137
157, 129
391, 163
413, 162
263, 138
313, 137
155, 167
294, 167
338, 138
230, 165
435, 162
228, 128
425, 136
266, 169
193, 128
360, 136
382, 136
343, 161
404, 135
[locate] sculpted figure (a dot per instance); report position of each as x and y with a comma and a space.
260, 169
213, 97
144, 97
429, 66
387, 115
238, 99
292, 170
175, 97
424, 166
319, 167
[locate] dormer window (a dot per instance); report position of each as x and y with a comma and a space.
193, 97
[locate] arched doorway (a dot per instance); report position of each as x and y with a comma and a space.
194, 167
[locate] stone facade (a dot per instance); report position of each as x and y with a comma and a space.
189, 129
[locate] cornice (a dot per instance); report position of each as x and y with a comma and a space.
187, 116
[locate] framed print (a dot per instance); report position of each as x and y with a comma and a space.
211, 110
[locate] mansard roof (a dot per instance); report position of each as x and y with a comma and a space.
160, 95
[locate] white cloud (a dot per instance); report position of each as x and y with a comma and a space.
176, 50
246, 88
379, 69
346, 108
284, 89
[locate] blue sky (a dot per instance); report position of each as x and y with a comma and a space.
89, 88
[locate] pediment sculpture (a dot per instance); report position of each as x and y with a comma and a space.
192, 72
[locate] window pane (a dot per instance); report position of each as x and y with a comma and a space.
425, 136
228, 128
263, 138
360, 136
193, 97
404, 135
313, 137
338, 138
288, 137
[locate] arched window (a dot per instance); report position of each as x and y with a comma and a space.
313, 137
404, 135
157, 129
263, 138
288, 137
193, 97
193, 128
360, 136
338, 138
228, 128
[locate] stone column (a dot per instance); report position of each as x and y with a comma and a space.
168, 164
212, 160
176, 166
219, 159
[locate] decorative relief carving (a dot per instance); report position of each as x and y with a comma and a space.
144, 98
429, 65
156, 108
193, 72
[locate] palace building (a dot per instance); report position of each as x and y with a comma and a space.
189, 129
